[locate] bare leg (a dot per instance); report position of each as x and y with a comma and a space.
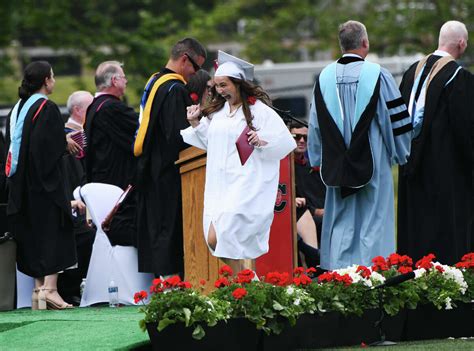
51, 291
212, 237
306, 228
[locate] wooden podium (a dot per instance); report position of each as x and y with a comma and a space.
198, 262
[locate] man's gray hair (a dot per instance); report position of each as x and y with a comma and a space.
76, 99
351, 35
104, 73
451, 32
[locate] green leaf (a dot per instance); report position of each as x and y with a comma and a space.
277, 306
164, 323
198, 332
187, 316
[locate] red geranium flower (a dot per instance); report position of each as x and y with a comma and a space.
302, 280
251, 100
426, 262
239, 293
225, 271
365, 272
439, 269
140, 296
405, 269
202, 282
172, 282
298, 271
194, 97
379, 264
310, 271
184, 285
245, 276
221, 282
326, 277
467, 261
394, 259
276, 278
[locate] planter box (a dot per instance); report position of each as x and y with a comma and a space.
427, 322
237, 334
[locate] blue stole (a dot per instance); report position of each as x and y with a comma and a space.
16, 130
368, 78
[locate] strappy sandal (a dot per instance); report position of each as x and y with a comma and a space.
45, 303
34, 299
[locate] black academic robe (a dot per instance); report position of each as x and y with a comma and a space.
160, 227
39, 210
308, 184
110, 130
435, 190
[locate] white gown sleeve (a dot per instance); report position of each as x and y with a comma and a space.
272, 129
197, 136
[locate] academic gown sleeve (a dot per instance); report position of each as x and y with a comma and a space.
272, 129
120, 123
173, 116
394, 120
47, 146
314, 137
197, 136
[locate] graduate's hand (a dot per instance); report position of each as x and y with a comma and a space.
255, 140
319, 212
72, 147
193, 114
78, 206
300, 202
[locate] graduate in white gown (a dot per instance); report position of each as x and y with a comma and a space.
358, 128
238, 199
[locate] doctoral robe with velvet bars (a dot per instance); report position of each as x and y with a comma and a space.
359, 208
435, 187
239, 199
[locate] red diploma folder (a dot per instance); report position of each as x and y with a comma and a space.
243, 146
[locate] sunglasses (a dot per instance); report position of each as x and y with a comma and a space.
195, 65
299, 136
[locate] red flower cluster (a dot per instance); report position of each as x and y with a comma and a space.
365, 272
302, 280
202, 282
158, 285
426, 262
239, 293
467, 261
194, 97
251, 100
298, 271
403, 262
276, 278
335, 277
311, 271
439, 269
379, 264
226, 271
140, 296
221, 282
245, 276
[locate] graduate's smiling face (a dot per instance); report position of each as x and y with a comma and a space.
227, 89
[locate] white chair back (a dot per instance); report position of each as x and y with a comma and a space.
117, 263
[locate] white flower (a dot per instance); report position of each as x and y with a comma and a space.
455, 274
419, 272
297, 302
448, 303
290, 290
376, 277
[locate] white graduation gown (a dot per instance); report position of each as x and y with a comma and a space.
239, 200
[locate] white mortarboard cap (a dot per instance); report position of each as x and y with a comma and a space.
231, 66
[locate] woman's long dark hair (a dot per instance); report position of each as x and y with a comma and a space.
246, 89
198, 83
33, 78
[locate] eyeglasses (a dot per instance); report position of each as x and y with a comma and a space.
299, 136
195, 65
